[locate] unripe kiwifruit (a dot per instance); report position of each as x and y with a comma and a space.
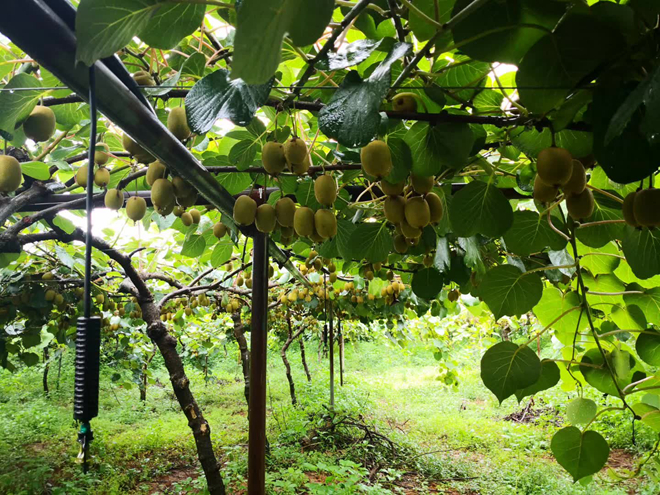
196, 216
178, 211
114, 199
188, 201
581, 205
40, 125
578, 180
422, 185
392, 189
285, 210
394, 208
302, 167
177, 123
325, 190
50, 295
376, 159
325, 223
155, 171
10, 174
102, 177
295, 151
265, 218
272, 157
555, 166
647, 207
400, 244
245, 210
628, 209
81, 176
435, 207
303, 221
186, 219
137, 151
418, 213
219, 230
59, 299
143, 78
543, 192
165, 210
101, 156
404, 102
136, 208
182, 189
409, 231
162, 193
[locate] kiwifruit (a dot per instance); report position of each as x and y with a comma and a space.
581, 205
188, 201
392, 189
295, 151
422, 185
186, 219
101, 157
404, 102
102, 177
155, 171
555, 166
325, 190
50, 295
219, 230
400, 244
543, 192
628, 209
59, 300
418, 213
394, 208
409, 231
48, 276
81, 176
302, 167
245, 210
453, 295
303, 221
265, 218
177, 123
196, 216
114, 199
40, 125
10, 174
136, 208
137, 151
578, 180
162, 193
143, 78
287, 231
165, 210
376, 159
435, 206
285, 210
182, 189
272, 157
647, 207
325, 223
178, 211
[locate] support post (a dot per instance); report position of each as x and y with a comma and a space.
331, 344
259, 336
341, 351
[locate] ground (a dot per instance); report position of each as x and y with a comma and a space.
448, 440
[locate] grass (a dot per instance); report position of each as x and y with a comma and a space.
457, 439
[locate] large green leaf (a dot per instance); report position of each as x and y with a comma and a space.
531, 234
581, 411
549, 378
648, 302
371, 242
352, 116
427, 283
506, 367
222, 252
344, 238
642, 250
581, 454
219, 97
171, 23
15, 106
261, 28
555, 303
599, 376
480, 208
421, 27
650, 414
193, 246
36, 170
439, 146
510, 292
648, 347
532, 142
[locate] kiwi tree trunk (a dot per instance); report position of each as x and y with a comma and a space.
239, 335
303, 358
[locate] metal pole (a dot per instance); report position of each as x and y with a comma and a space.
331, 342
341, 351
259, 337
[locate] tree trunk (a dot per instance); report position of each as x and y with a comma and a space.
287, 366
144, 378
304, 359
341, 354
46, 368
239, 334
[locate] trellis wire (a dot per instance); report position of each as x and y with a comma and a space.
335, 88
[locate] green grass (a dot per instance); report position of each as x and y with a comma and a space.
452, 434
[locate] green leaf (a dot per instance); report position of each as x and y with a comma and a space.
581, 454
64, 223
531, 141
371, 242
352, 116
344, 238
193, 246
29, 358
219, 97
531, 234
648, 347
506, 367
427, 283
16, 106
421, 27
509, 292
554, 303
650, 414
641, 248
439, 146
581, 411
599, 262
480, 208
243, 153
222, 252
235, 183
348, 55
36, 170
401, 159
172, 22
261, 28
600, 377
549, 378
600, 235
648, 302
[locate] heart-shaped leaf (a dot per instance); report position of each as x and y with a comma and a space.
581, 454
549, 378
480, 208
648, 347
506, 367
427, 283
580, 411
509, 291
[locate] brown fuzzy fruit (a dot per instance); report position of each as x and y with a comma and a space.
435, 207
285, 210
295, 151
196, 216
302, 167
177, 123
155, 171
400, 244
101, 156
325, 190
376, 159
40, 125
578, 180
422, 185
265, 219
102, 177
628, 209
418, 213
219, 230
272, 157
136, 208
394, 208
114, 199
555, 166
325, 223
581, 205
245, 210
543, 192
392, 189
186, 219
647, 207
162, 193
303, 221
11, 175
81, 176
404, 102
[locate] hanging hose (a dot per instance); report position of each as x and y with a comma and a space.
88, 337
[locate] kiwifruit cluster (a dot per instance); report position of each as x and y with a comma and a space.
138, 152
40, 124
642, 208
296, 155
557, 169
11, 175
